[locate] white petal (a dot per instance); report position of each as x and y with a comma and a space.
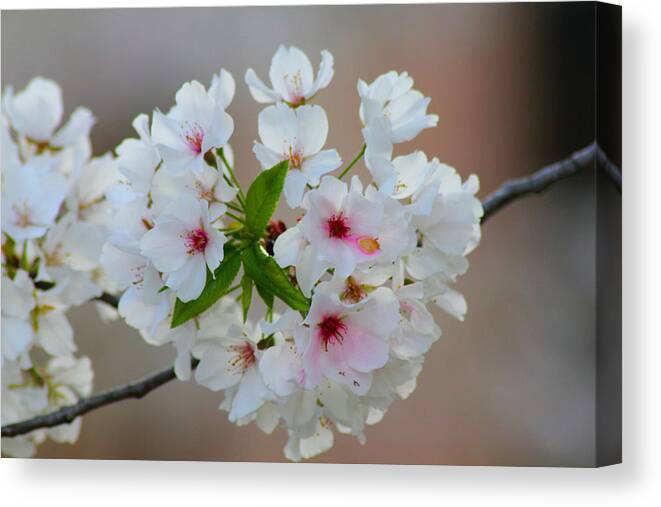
288, 246
55, 334
259, 91
188, 281
278, 128
79, 125
222, 88
321, 163
266, 156
295, 182
312, 129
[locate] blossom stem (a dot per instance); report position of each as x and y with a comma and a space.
241, 196
235, 217
353, 162
234, 207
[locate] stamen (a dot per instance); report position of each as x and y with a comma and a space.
338, 226
196, 241
332, 330
353, 291
244, 357
193, 136
295, 159
295, 88
22, 218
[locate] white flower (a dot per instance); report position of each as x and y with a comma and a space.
417, 329
182, 245
68, 379
413, 171
207, 185
345, 344
31, 199
142, 304
308, 445
53, 330
292, 77
280, 364
91, 181
17, 304
359, 285
138, 158
339, 230
229, 362
36, 112
392, 96
194, 126
453, 223
444, 296
298, 136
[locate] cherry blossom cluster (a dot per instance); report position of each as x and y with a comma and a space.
54, 226
346, 291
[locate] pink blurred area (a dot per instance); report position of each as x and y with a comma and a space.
514, 383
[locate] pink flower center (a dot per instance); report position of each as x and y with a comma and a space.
338, 226
243, 358
196, 241
193, 136
332, 330
294, 85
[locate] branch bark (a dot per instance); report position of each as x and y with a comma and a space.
508, 192
67, 414
539, 181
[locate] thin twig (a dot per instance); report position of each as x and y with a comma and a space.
610, 168
508, 192
539, 181
66, 415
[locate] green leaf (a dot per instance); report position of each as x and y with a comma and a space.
266, 273
263, 196
215, 288
266, 295
246, 295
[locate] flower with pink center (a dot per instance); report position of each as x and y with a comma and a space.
182, 245
292, 77
207, 185
343, 226
195, 125
345, 344
230, 362
297, 136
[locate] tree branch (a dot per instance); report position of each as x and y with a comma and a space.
65, 415
508, 192
539, 181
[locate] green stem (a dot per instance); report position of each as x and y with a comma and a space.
241, 196
232, 289
233, 206
353, 162
232, 215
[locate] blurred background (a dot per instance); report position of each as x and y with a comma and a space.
513, 87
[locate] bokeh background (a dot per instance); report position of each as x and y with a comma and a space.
513, 85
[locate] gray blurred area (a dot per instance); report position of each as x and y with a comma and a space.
512, 84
